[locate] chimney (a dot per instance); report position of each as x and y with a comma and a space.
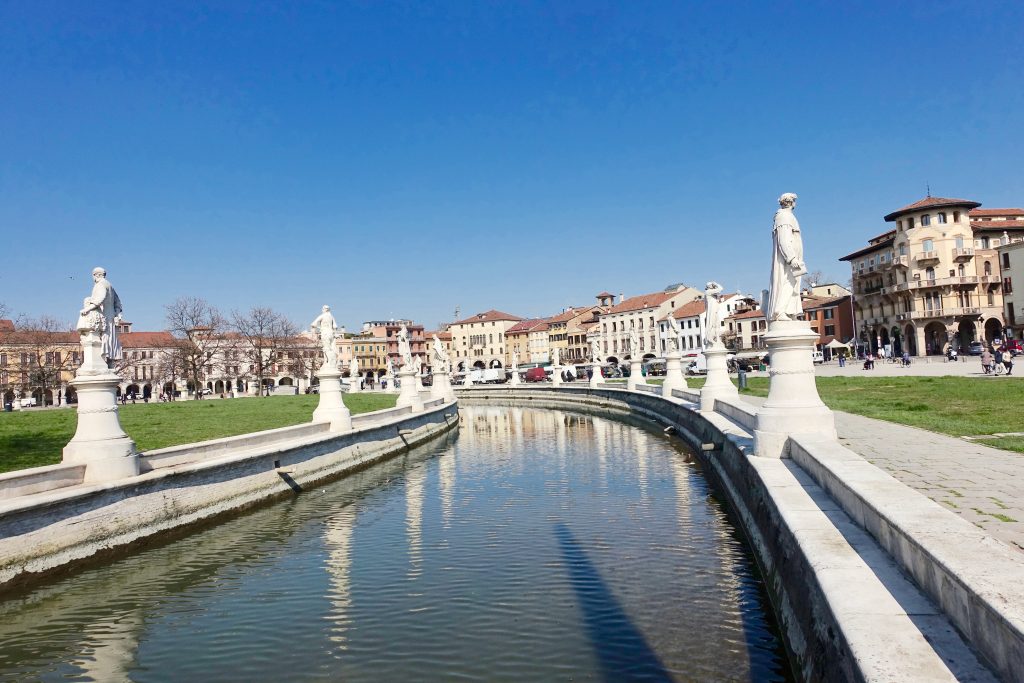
622, 297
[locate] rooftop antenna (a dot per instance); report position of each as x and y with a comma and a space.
456, 312
928, 188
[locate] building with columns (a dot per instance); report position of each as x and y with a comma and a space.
933, 280
643, 313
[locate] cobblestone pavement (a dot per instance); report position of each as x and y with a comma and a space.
984, 485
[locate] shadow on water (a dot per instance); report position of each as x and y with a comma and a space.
622, 651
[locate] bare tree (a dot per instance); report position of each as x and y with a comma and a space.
4, 311
46, 349
200, 329
262, 332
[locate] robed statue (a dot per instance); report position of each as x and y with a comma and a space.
105, 302
783, 301
404, 350
440, 356
712, 314
595, 351
673, 334
325, 326
634, 342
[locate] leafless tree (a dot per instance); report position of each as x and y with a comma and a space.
46, 349
4, 311
262, 332
200, 329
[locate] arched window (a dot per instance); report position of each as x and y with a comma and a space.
988, 267
956, 216
929, 273
941, 218
926, 220
960, 270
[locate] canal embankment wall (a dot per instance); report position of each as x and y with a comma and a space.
845, 603
51, 521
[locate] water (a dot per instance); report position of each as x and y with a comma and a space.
536, 545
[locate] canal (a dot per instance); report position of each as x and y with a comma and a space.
531, 545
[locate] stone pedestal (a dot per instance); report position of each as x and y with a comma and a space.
419, 382
674, 378
718, 384
392, 386
793, 405
635, 375
514, 381
442, 386
353, 384
254, 388
467, 379
408, 396
595, 376
556, 375
331, 407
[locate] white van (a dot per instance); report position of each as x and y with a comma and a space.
817, 357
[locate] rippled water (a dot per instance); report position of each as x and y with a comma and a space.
534, 545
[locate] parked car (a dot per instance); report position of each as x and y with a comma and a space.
818, 357
535, 375
975, 348
1014, 346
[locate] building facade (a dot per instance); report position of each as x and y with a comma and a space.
479, 340
641, 313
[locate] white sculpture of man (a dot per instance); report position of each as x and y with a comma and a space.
595, 351
326, 326
105, 301
712, 314
783, 302
440, 356
389, 368
515, 363
353, 369
403, 347
554, 356
673, 333
634, 342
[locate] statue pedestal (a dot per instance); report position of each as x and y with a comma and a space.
718, 384
514, 381
674, 378
353, 384
595, 375
635, 375
99, 442
408, 396
793, 405
419, 382
556, 375
442, 386
392, 385
331, 407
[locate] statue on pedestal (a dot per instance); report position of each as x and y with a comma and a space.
326, 326
554, 357
102, 310
783, 301
634, 342
595, 351
404, 350
353, 369
712, 314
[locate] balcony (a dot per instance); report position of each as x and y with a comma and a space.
901, 261
963, 254
989, 279
928, 257
971, 312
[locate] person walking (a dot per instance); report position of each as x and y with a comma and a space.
1007, 360
986, 361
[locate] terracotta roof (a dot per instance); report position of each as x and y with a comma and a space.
532, 325
888, 234
980, 213
881, 246
6, 325
487, 316
930, 203
816, 302
40, 338
689, 310
747, 314
638, 303
138, 340
996, 225
573, 312
587, 325
443, 335
604, 294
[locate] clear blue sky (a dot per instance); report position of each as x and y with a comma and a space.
398, 159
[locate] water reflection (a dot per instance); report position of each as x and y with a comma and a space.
538, 545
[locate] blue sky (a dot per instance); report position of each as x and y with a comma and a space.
397, 159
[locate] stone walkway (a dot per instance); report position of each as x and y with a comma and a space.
984, 485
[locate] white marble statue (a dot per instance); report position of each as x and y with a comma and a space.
554, 357
325, 326
353, 369
712, 314
515, 363
404, 349
595, 351
783, 301
389, 368
104, 300
673, 334
440, 356
634, 342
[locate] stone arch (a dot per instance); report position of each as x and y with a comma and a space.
935, 338
209, 386
479, 365
218, 387
966, 332
147, 391
648, 356
613, 360
910, 335
133, 390
8, 396
169, 388
285, 382
495, 363
897, 340
239, 385
993, 329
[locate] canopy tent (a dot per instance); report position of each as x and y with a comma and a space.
836, 344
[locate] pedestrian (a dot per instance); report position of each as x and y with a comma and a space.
1007, 360
997, 358
986, 361
842, 360
906, 359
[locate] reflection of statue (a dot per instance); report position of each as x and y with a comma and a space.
441, 358
712, 314
634, 342
788, 266
673, 333
404, 351
326, 326
105, 301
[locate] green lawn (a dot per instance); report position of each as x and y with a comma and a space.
32, 438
